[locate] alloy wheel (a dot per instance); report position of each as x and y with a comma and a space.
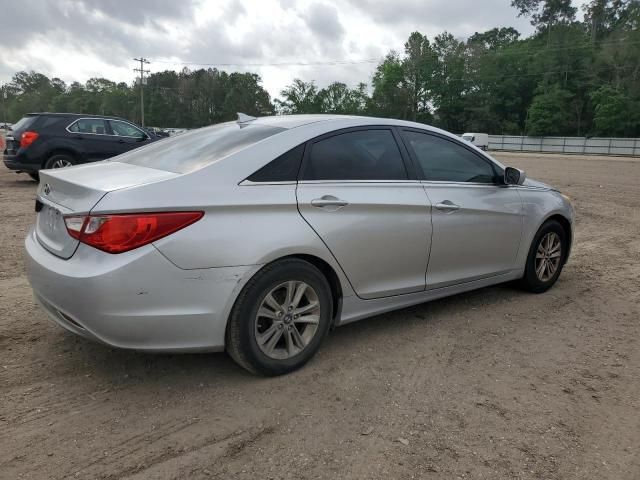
287, 320
548, 256
61, 163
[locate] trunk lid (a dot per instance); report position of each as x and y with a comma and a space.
76, 190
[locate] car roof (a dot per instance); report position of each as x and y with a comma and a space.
294, 121
72, 115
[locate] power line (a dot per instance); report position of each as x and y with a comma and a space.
142, 71
279, 64
519, 51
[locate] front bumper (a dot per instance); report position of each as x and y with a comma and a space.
137, 300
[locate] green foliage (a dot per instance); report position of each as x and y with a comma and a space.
614, 112
569, 78
186, 99
549, 113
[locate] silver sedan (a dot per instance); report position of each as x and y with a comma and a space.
259, 236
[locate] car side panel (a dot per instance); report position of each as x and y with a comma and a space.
243, 225
538, 205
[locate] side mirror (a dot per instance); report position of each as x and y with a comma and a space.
514, 176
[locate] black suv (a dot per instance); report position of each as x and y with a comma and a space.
55, 140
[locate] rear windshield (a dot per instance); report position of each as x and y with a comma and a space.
198, 148
23, 123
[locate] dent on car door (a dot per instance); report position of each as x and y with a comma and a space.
477, 221
355, 193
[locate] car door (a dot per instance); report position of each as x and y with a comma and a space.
355, 192
92, 138
127, 136
477, 220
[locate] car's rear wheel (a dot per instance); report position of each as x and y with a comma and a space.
546, 257
280, 318
60, 160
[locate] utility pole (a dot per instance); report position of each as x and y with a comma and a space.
142, 71
3, 93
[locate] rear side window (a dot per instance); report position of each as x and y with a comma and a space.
198, 148
358, 155
24, 123
46, 122
446, 161
282, 169
95, 126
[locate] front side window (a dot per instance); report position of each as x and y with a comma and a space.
124, 129
445, 161
95, 126
358, 155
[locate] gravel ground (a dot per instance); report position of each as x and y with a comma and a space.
492, 384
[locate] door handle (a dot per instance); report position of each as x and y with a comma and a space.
328, 201
447, 206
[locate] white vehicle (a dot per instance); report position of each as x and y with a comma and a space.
480, 140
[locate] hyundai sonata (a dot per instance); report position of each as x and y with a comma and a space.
259, 236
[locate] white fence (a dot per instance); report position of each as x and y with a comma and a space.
580, 145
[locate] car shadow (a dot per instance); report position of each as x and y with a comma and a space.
124, 367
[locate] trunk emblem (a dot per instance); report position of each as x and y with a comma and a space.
46, 189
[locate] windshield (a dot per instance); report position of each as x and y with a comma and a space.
197, 148
468, 138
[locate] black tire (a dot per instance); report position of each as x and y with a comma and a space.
530, 281
35, 176
60, 158
241, 342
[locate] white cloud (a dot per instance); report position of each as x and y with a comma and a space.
80, 39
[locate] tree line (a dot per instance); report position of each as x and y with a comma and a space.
568, 78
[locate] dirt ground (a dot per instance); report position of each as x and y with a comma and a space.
492, 384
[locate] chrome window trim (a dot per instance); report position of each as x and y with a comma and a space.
104, 134
87, 133
249, 183
363, 182
464, 184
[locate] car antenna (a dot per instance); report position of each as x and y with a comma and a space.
244, 118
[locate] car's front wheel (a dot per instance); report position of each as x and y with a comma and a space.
546, 257
280, 318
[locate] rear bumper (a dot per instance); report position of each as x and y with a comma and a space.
136, 300
17, 163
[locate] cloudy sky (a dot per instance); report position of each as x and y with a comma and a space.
80, 39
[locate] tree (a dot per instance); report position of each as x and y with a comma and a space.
545, 14
418, 67
550, 113
615, 113
391, 97
449, 85
299, 97
340, 99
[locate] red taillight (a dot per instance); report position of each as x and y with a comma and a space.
123, 232
28, 138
